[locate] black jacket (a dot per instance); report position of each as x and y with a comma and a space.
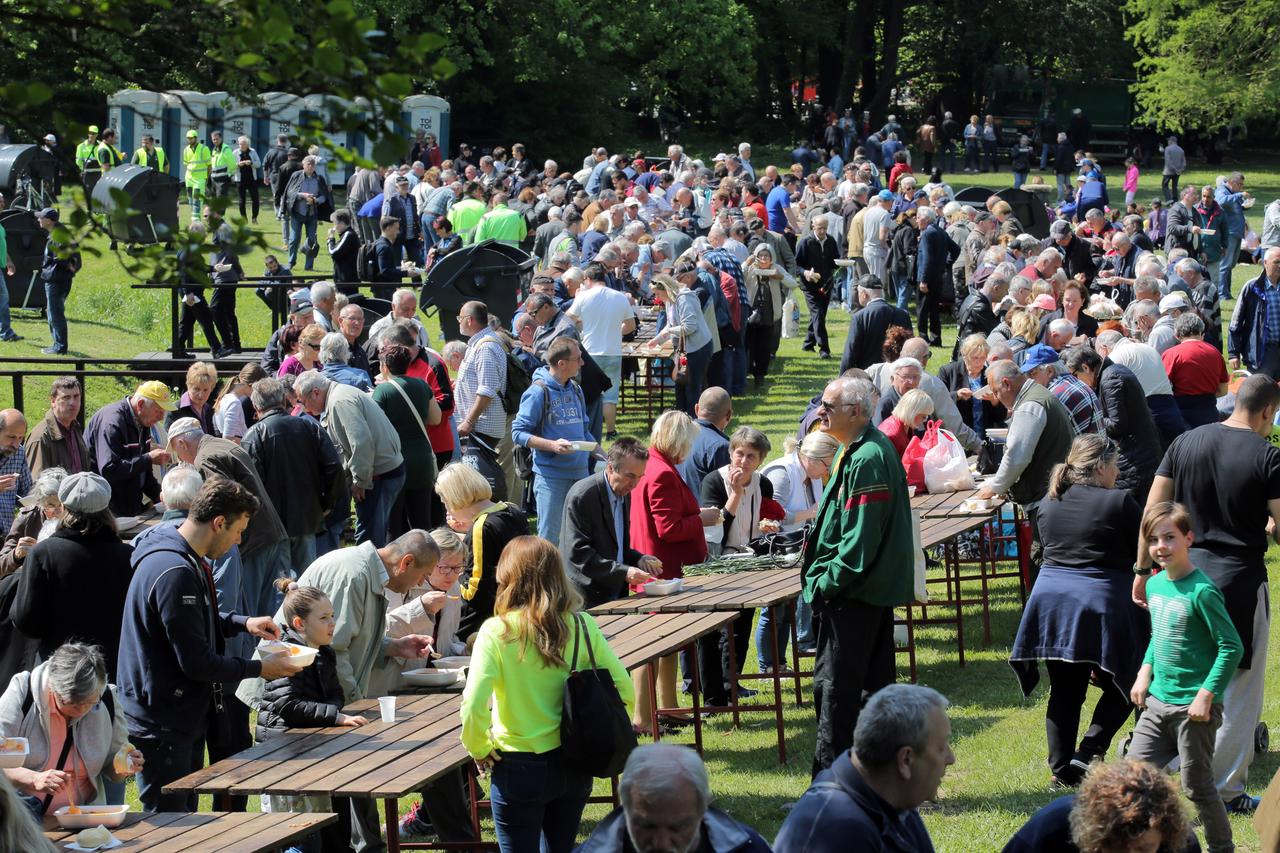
311, 698
863, 347
1128, 422
935, 253
819, 257
323, 208
405, 208
386, 266
342, 252
285, 172
903, 248
1178, 228
721, 833
1078, 259
1064, 159
73, 587
1088, 326
589, 543
956, 376
299, 468
976, 316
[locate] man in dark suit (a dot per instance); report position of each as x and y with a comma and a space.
936, 255
1076, 258
977, 314
595, 532
864, 346
387, 272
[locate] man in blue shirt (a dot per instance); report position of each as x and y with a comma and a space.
597, 172
778, 205
1231, 196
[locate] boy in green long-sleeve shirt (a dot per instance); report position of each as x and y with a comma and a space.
1193, 653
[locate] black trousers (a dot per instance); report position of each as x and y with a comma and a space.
928, 316
854, 660
762, 343
249, 188
229, 735
816, 336
1068, 686
411, 511
715, 669
198, 313
1169, 187
223, 304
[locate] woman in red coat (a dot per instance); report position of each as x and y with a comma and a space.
667, 523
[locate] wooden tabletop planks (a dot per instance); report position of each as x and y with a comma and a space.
706, 593
222, 832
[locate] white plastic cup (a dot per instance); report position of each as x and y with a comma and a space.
387, 706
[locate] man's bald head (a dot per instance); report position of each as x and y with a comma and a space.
13, 429
917, 348
715, 405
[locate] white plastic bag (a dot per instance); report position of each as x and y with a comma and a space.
790, 318
945, 466
920, 584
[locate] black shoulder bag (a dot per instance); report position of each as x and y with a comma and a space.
595, 733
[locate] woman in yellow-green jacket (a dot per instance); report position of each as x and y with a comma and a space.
519, 661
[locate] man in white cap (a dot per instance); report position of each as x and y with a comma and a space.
119, 439
1162, 335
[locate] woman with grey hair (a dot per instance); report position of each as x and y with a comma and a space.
75, 732
40, 507
74, 583
247, 174
768, 284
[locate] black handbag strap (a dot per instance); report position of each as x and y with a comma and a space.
62, 760
591, 655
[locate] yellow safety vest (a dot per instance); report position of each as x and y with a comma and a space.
162, 162
109, 156
196, 162
87, 156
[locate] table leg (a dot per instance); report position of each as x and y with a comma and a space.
950, 554
986, 592
224, 801
733, 678
695, 688
653, 701
473, 790
777, 689
795, 652
391, 808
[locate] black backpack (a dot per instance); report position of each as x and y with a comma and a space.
366, 262
518, 379
595, 732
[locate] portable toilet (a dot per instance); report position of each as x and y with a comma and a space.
184, 110
357, 142
282, 110
427, 113
135, 113
327, 108
248, 120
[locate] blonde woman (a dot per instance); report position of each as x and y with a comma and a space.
231, 415
908, 418
522, 658
966, 379
485, 527
307, 354
687, 326
202, 377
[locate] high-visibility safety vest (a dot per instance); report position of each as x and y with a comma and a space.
87, 157
109, 156
224, 162
141, 158
196, 163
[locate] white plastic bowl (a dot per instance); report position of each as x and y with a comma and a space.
431, 677
11, 758
667, 587
109, 816
453, 662
304, 656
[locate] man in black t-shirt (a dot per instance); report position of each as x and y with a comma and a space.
1228, 477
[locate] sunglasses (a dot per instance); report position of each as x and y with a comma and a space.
825, 406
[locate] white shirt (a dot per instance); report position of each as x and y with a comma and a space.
873, 220
1145, 363
602, 311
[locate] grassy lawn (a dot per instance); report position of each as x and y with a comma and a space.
1000, 776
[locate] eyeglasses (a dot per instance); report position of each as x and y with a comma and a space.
312, 346
450, 568
827, 406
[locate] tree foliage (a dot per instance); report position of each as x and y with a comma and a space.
1206, 63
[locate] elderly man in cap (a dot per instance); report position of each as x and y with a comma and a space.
867, 327
1040, 436
1163, 335
1043, 365
666, 806
301, 314
1077, 259
15, 476
264, 548
119, 439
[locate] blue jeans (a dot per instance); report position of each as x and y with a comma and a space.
297, 223
258, 575
537, 802
903, 285
55, 295
330, 539
1063, 187
195, 200
687, 395
373, 513
302, 552
6, 328
1044, 156
1019, 178
550, 493
804, 631
1230, 255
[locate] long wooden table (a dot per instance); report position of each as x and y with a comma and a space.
217, 832
732, 593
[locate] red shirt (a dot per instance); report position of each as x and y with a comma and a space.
758, 206
1194, 367
440, 436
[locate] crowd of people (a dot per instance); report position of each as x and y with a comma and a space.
1088, 376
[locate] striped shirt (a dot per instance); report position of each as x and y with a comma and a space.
1271, 295
483, 373
13, 463
1081, 403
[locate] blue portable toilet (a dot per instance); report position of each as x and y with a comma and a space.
134, 113
427, 113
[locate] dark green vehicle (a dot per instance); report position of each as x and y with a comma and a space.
1019, 98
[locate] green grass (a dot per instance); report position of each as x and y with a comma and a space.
1000, 776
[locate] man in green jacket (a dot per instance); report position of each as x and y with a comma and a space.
501, 223
858, 565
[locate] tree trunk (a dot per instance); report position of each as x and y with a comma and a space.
858, 22
893, 10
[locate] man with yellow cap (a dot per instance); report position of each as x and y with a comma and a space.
87, 161
197, 161
119, 439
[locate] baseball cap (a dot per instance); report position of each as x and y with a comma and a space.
632, 202
85, 492
155, 391
93, 128
1036, 356
1173, 301
1059, 229
885, 195
49, 137
298, 300
191, 134
48, 213
1046, 302
182, 427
